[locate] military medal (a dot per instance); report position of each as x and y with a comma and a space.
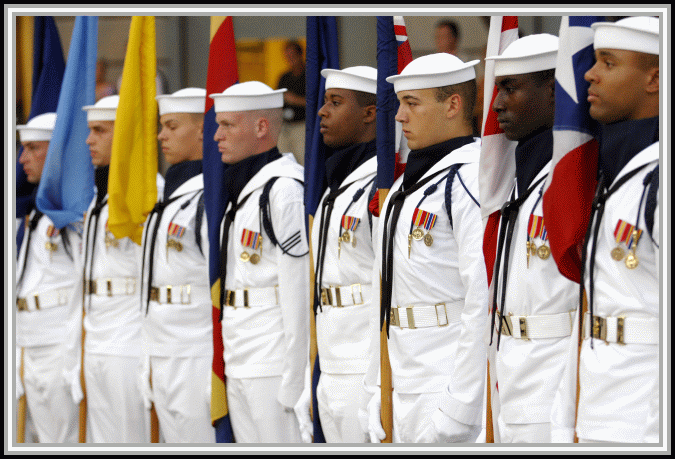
178, 232
537, 229
631, 259
252, 240
49, 245
349, 224
626, 234
423, 219
110, 240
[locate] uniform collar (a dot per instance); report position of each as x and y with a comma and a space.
422, 160
238, 175
101, 181
346, 160
532, 154
180, 173
620, 142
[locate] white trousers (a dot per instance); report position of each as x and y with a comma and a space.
115, 411
181, 390
338, 397
54, 414
256, 414
412, 416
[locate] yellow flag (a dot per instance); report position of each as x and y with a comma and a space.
132, 186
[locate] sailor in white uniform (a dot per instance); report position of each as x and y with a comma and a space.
45, 280
176, 298
618, 363
343, 250
434, 291
264, 277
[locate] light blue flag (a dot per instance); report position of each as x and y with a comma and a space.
67, 184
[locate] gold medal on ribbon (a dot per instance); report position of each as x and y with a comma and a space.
543, 252
428, 239
631, 261
533, 248
174, 244
618, 253
255, 258
417, 233
346, 236
244, 256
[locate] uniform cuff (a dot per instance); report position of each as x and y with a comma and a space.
461, 412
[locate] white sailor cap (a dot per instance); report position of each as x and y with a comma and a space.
533, 53
252, 95
38, 129
188, 100
103, 110
361, 78
433, 71
639, 33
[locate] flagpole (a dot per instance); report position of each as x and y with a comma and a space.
21, 416
83, 402
386, 389
312, 318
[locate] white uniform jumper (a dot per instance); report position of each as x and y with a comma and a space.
342, 322
538, 316
177, 320
438, 304
265, 319
619, 373
44, 322
112, 322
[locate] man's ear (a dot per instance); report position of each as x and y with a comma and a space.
261, 127
652, 80
369, 114
453, 106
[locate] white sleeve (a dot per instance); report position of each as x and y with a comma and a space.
463, 400
288, 221
563, 412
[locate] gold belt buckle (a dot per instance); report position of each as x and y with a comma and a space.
599, 328
326, 297
438, 319
22, 304
338, 297
108, 283
394, 317
522, 323
168, 294
619, 330
411, 317
246, 305
360, 294
229, 298
154, 294
92, 287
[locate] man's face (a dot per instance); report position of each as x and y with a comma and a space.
523, 106
100, 141
424, 120
235, 136
615, 93
33, 159
341, 118
181, 137
445, 40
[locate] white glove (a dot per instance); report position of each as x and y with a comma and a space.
144, 382
448, 430
72, 378
375, 429
301, 409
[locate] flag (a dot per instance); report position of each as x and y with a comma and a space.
132, 186
222, 73
570, 185
322, 53
393, 54
67, 184
48, 68
497, 165
497, 169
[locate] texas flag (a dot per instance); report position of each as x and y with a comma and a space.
570, 186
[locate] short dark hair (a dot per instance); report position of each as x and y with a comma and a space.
543, 76
466, 90
365, 99
452, 25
